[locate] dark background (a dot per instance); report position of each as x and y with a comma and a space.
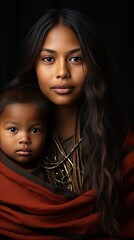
114, 19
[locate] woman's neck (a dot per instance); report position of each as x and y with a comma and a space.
65, 120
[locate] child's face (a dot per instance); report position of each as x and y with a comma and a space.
22, 131
60, 68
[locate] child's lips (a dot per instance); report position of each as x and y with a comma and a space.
24, 151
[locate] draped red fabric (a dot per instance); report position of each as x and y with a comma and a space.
31, 209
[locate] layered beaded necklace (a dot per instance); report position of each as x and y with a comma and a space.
63, 162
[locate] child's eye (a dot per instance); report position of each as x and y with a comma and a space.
13, 129
36, 130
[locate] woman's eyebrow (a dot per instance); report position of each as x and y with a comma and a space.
54, 51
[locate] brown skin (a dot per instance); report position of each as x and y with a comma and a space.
22, 132
61, 73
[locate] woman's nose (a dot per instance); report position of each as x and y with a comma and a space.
62, 70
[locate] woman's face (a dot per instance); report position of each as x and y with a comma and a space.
61, 69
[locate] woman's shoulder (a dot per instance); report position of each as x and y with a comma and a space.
128, 144
128, 184
128, 159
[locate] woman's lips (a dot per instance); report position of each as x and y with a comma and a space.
63, 89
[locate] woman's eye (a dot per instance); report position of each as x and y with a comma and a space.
48, 59
13, 129
75, 59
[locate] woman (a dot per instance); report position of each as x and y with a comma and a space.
88, 162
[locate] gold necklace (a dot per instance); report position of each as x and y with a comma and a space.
62, 168
56, 164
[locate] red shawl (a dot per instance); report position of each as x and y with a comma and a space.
32, 209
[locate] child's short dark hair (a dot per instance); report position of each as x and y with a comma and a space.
23, 95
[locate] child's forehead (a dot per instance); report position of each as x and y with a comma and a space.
22, 113
23, 108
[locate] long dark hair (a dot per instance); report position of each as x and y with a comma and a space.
103, 123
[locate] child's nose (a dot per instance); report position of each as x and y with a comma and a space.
25, 140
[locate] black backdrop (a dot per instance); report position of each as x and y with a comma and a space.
114, 18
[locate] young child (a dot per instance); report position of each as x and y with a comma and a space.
23, 126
